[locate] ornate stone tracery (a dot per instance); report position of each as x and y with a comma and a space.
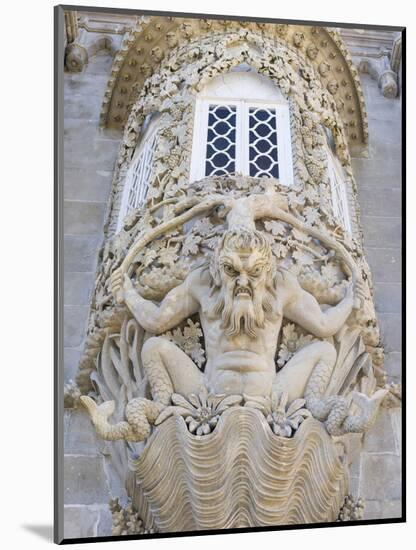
155, 372
318, 44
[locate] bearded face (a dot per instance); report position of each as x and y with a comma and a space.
243, 271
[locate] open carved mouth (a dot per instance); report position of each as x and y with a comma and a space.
242, 291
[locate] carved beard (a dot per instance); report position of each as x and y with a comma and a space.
243, 315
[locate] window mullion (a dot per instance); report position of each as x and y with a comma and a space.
245, 139
239, 137
203, 141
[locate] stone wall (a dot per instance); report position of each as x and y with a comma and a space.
89, 157
89, 160
376, 475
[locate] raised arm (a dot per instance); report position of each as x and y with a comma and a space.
302, 308
177, 305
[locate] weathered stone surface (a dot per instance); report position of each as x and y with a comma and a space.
80, 522
379, 200
393, 364
83, 84
385, 264
388, 297
84, 480
384, 132
381, 476
75, 319
80, 130
80, 252
100, 64
87, 185
80, 437
71, 362
77, 288
382, 232
354, 486
372, 173
377, 509
380, 438
98, 154
82, 107
83, 218
105, 523
391, 331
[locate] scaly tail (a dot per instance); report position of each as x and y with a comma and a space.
333, 410
140, 412
330, 409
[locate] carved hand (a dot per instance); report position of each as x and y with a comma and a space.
117, 278
120, 284
356, 293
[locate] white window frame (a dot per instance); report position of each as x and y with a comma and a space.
338, 191
140, 168
284, 144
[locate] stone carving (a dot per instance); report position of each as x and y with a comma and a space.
162, 91
232, 317
324, 68
352, 509
197, 31
161, 370
312, 51
380, 70
171, 39
252, 477
125, 520
76, 57
298, 39
332, 87
241, 298
72, 393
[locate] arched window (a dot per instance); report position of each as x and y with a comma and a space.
138, 177
242, 125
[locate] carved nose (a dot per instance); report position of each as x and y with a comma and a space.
242, 280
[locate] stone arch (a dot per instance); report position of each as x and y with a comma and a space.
154, 38
188, 69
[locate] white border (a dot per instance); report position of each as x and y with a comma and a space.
27, 278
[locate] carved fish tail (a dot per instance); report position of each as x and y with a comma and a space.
159, 379
319, 406
114, 432
99, 416
140, 414
369, 408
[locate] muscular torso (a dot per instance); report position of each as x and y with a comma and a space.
238, 364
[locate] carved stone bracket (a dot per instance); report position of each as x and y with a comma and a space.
377, 55
84, 38
380, 70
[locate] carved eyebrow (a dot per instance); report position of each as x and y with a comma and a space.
259, 263
235, 263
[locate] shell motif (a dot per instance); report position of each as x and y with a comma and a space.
241, 475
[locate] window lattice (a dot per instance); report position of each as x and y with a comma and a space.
138, 182
238, 136
339, 195
221, 140
263, 158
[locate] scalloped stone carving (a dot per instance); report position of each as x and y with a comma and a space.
242, 475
